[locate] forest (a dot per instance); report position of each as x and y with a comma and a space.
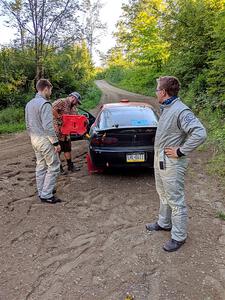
183, 38
55, 40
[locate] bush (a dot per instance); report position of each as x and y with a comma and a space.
138, 79
91, 97
11, 120
215, 123
195, 95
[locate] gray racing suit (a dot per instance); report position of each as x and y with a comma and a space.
39, 123
177, 127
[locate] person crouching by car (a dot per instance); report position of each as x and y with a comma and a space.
60, 107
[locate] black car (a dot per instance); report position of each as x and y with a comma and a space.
123, 134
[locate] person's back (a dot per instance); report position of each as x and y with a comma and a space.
33, 115
38, 113
39, 123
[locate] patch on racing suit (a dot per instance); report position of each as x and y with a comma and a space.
189, 117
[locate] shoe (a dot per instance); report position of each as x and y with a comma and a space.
173, 245
73, 168
62, 172
155, 227
51, 200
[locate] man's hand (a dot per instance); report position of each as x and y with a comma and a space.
171, 152
57, 148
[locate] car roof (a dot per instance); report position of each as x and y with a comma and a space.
125, 104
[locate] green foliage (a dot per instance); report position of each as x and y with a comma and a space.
11, 115
139, 35
16, 73
91, 97
70, 70
11, 120
216, 72
187, 27
115, 74
99, 73
215, 124
138, 79
220, 215
10, 128
194, 95
183, 38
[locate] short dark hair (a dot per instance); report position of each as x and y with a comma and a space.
42, 84
170, 84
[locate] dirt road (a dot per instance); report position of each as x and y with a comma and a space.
94, 246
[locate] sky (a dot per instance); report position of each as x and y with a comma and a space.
110, 14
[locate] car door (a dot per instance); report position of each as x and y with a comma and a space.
91, 120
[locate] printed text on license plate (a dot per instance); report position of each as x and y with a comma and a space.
135, 157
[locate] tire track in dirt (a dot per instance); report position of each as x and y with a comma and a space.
75, 252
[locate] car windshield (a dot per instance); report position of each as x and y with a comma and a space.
128, 116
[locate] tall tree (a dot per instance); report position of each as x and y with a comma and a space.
43, 24
138, 32
216, 73
187, 25
93, 27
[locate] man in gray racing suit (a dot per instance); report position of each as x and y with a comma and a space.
39, 123
179, 132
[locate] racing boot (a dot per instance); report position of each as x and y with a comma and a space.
62, 171
72, 167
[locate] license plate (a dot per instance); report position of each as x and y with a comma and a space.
135, 157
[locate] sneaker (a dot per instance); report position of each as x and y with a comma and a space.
173, 245
155, 227
51, 200
73, 168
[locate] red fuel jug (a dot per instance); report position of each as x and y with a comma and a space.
74, 124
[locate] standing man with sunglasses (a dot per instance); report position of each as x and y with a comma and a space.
179, 132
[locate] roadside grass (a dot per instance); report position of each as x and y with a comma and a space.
220, 215
215, 124
216, 165
12, 118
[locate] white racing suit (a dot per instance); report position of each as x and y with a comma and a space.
177, 127
39, 123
